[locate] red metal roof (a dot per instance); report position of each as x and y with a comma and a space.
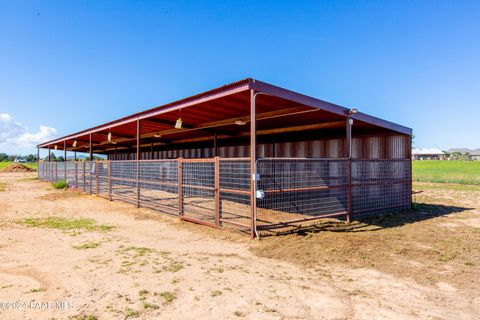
215, 111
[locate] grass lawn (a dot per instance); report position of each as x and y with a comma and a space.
443, 171
30, 165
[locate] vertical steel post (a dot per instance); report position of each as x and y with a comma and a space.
38, 163
65, 159
217, 190
50, 176
151, 151
96, 176
90, 176
84, 179
253, 158
409, 155
180, 187
109, 180
349, 157
138, 163
90, 151
75, 155
76, 175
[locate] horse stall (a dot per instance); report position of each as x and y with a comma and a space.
248, 155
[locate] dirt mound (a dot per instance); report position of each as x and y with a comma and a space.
17, 167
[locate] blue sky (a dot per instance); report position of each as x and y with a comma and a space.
69, 65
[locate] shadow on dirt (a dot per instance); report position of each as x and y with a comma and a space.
419, 212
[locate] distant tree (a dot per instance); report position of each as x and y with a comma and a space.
31, 158
12, 157
52, 157
3, 157
60, 159
94, 158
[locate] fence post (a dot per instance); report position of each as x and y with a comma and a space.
84, 179
217, 191
180, 188
65, 159
90, 176
138, 183
76, 175
96, 176
109, 180
349, 214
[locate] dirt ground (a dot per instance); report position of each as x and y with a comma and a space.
128, 263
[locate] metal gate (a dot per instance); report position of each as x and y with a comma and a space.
198, 191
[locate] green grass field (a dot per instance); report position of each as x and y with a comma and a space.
30, 165
462, 172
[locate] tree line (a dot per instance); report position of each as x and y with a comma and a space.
12, 157
33, 158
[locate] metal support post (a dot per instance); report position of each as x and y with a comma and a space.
217, 190
253, 158
138, 164
180, 187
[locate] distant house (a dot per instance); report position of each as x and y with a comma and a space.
463, 154
475, 155
20, 160
428, 154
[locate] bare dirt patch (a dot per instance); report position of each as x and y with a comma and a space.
17, 167
151, 266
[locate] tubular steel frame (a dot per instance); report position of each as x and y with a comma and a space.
214, 191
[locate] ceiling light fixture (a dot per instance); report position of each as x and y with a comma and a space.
353, 111
178, 124
240, 122
109, 137
55, 147
74, 144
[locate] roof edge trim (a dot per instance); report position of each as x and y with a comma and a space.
324, 105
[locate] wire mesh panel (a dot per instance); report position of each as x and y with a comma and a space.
82, 177
90, 180
102, 175
234, 174
41, 171
294, 192
51, 171
60, 174
71, 174
159, 185
380, 186
198, 190
123, 180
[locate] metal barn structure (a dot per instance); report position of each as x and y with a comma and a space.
247, 155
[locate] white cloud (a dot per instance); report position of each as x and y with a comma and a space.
15, 138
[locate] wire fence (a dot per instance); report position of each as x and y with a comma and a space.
294, 192
380, 186
234, 184
289, 192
